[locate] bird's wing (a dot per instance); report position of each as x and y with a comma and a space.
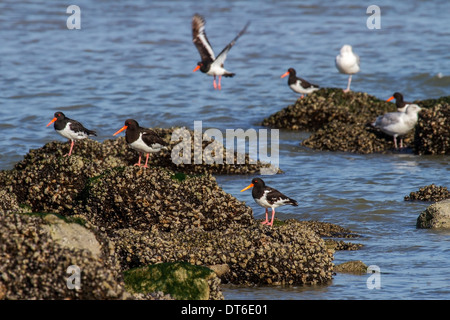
200, 40
76, 126
388, 119
152, 139
223, 54
275, 196
305, 84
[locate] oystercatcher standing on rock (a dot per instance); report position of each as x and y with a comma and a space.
347, 62
70, 129
397, 124
142, 140
400, 104
299, 85
210, 64
268, 197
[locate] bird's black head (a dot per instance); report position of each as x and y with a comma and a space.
59, 115
398, 96
258, 182
131, 123
292, 71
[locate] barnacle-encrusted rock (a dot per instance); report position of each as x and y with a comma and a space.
432, 134
436, 215
183, 281
141, 217
429, 193
342, 122
137, 198
288, 254
33, 266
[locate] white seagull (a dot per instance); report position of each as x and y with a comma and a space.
347, 62
397, 124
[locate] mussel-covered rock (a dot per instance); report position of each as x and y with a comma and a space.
287, 254
429, 193
34, 266
342, 121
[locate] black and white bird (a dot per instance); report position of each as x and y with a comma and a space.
70, 129
142, 140
268, 197
210, 64
299, 85
399, 102
397, 124
347, 62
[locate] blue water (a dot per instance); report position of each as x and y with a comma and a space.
135, 60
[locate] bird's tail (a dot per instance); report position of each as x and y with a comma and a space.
229, 74
91, 133
293, 202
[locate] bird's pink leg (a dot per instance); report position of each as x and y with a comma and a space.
220, 82
71, 147
348, 84
267, 217
395, 142
273, 216
139, 163
146, 160
214, 83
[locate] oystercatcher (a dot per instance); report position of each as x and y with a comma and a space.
210, 64
347, 62
299, 85
268, 197
142, 140
70, 129
400, 104
397, 124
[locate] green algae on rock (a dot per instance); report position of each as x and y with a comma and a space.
181, 280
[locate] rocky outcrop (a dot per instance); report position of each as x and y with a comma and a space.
429, 193
131, 218
181, 280
341, 121
435, 216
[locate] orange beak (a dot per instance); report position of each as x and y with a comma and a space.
390, 98
285, 74
196, 68
250, 186
53, 120
123, 128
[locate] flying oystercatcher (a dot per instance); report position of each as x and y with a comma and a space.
142, 140
399, 102
347, 62
210, 64
268, 197
70, 129
299, 85
397, 124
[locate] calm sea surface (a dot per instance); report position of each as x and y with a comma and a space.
134, 59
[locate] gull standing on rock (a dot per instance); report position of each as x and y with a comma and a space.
347, 62
397, 124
